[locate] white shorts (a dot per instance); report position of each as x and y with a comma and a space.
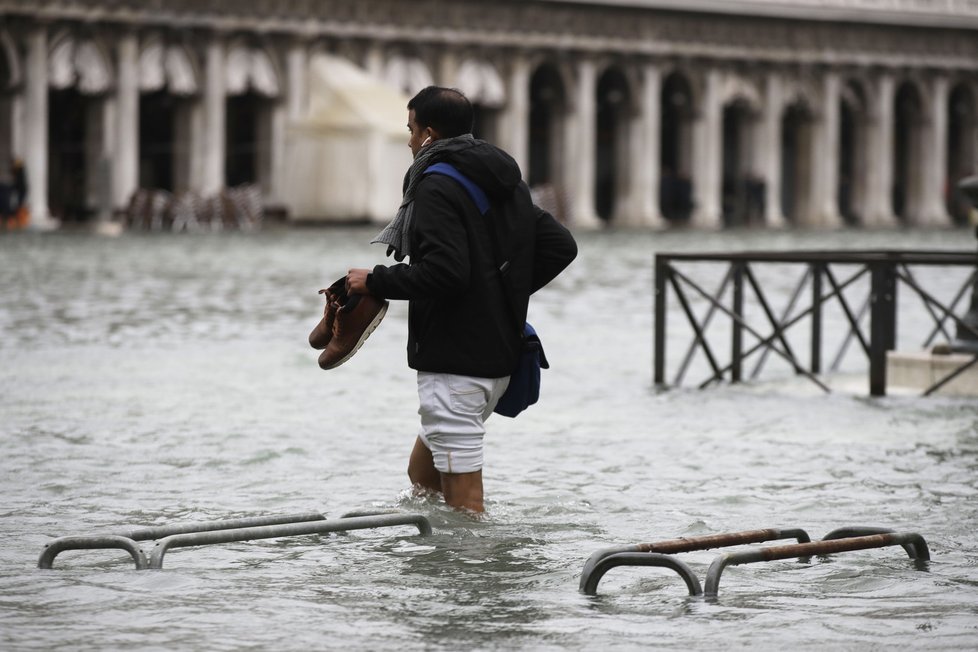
453, 413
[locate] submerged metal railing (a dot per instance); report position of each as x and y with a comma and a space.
605, 559
660, 553
821, 275
224, 531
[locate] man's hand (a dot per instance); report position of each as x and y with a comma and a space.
356, 281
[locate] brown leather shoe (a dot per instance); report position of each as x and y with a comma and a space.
335, 296
354, 322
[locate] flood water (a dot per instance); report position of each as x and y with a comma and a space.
154, 379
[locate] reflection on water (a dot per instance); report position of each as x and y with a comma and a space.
156, 379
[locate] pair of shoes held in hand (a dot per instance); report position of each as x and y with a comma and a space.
348, 320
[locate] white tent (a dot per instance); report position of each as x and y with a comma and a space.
346, 157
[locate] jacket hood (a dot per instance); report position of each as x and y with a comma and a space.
489, 167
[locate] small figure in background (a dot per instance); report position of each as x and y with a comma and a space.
19, 216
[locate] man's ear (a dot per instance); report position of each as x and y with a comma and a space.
432, 133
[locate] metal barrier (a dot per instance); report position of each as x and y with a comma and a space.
291, 529
876, 275
127, 539
604, 560
917, 546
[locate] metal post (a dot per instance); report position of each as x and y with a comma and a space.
816, 269
737, 330
965, 341
882, 324
659, 362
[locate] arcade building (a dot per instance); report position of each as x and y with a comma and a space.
630, 113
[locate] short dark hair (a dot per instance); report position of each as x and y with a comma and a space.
446, 110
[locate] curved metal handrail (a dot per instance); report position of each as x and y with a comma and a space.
590, 587
688, 544
289, 529
106, 542
917, 550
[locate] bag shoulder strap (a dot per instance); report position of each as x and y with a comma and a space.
481, 202
475, 192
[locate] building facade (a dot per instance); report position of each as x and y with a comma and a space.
637, 113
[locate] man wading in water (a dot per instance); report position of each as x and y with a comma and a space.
463, 306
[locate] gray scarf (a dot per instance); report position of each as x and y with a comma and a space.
396, 235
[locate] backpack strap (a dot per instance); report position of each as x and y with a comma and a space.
475, 192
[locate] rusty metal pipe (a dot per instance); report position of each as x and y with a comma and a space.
829, 547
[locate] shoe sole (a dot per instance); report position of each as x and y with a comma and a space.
371, 327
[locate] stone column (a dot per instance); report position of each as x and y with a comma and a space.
515, 131
276, 169
933, 170
879, 160
215, 110
707, 141
825, 157
580, 148
768, 153
642, 206
125, 163
375, 61
296, 71
447, 68
35, 142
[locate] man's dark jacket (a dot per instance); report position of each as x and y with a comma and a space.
465, 316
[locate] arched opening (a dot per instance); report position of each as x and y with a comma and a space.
547, 112
157, 113
852, 153
70, 132
167, 80
253, 88
907, 151
675, 188
796, 145
247, 138
962, 133
611, 140
79, 167
742, 193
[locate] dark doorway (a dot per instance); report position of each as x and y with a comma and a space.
795, 162
68, 123
675, 188
961, 153
847, 163
906, 152
737, 195
610, 142
244, 138
156, 140
546, 111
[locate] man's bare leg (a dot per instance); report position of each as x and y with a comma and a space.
463, 490
421, 469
